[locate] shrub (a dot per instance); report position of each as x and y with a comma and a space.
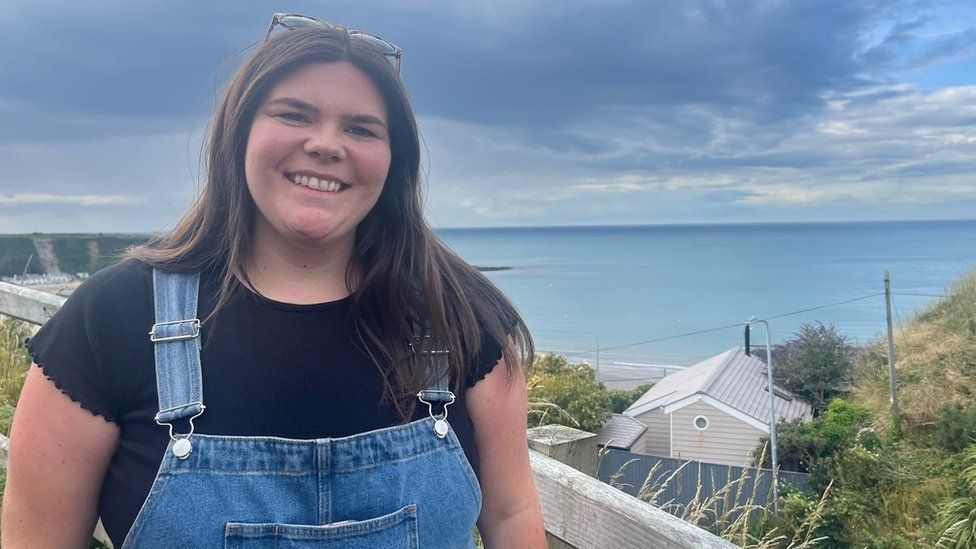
566, 394
955, 428
620, 400
814, 364
803, 446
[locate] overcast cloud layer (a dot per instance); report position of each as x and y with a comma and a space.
532, 112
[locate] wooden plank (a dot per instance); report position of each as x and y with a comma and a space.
27, 304
587, 513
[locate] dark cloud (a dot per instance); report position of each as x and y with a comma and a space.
633, 111
545, 66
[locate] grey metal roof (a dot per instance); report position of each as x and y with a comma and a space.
733, 378
620, 431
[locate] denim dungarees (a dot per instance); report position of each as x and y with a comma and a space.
403, 486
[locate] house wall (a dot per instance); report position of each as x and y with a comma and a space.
655, 439
727, 440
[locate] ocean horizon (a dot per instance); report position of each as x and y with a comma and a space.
641, 300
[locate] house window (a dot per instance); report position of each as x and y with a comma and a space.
701, 423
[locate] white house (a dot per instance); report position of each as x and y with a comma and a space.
714, 411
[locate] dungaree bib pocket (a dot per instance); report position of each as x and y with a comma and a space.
396, 530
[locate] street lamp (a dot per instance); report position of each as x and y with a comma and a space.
772, 408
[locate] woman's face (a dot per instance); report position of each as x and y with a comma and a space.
318, 153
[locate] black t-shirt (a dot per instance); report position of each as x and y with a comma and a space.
269, 369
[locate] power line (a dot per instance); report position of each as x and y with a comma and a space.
823, 306
736, 325
942, 296
720, 328
739, 324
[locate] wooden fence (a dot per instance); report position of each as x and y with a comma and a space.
578, 510
680, 483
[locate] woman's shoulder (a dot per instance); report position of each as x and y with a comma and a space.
121, 282
111, 286
126, 275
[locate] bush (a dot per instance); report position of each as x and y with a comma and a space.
566, 394
955, 428
803, 447
814, 364
620, 400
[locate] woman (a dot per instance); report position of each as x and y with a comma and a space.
308, 337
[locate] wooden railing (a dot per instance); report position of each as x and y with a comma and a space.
578, 510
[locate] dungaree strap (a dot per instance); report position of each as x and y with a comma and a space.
176, 342
437, 364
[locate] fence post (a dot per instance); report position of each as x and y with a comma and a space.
567, 445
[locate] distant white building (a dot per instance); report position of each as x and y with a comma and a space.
714, 411
39, 279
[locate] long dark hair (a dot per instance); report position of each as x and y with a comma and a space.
402, 276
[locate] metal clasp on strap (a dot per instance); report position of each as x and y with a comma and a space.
441, 426
432, 352
194, 323
181, 442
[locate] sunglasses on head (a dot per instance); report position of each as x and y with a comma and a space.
292, 21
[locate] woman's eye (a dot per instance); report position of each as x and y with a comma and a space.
360, 131
293, 117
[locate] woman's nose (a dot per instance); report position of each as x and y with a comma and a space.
326, 144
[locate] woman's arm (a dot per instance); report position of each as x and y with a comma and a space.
510, 512
58, 456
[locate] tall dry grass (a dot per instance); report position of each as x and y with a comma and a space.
744, 523
14, 362
935, 362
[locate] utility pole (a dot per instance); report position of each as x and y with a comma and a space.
598, 360
892, 381
772, 410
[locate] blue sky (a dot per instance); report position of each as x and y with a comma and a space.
532, 112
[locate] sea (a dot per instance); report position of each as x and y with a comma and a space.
639, 302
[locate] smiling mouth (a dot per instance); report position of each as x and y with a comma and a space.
315, 183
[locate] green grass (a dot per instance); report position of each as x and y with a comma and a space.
14, 362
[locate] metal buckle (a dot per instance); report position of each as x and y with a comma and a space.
441, 426
422, 394
181, 442
195, 322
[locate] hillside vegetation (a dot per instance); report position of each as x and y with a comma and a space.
75, 253
927, 471
907, 485
935, 363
